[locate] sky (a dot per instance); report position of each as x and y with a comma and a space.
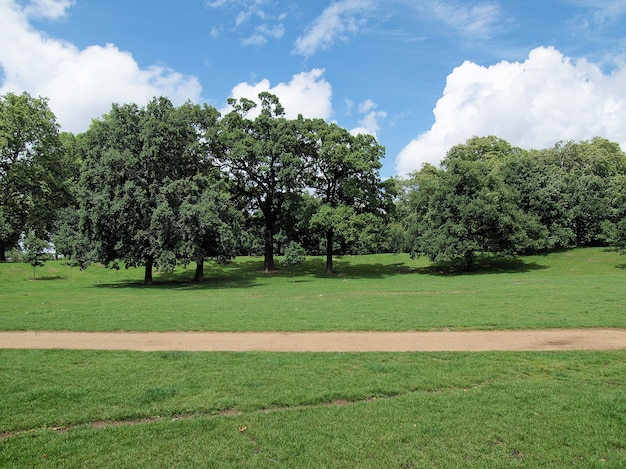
419, 75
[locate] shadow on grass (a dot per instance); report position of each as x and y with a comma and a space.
52, 277
249, 274
241, 274
483, 266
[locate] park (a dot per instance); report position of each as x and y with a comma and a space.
177, 222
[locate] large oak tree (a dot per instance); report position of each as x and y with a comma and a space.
132, 154
465, 208
266, 161
344, 173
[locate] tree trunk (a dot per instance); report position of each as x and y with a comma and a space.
147, 279
268, 262
3, 257
329, 251
199, 277
469, 261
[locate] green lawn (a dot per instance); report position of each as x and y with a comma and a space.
63, 408
366, 410
578, 288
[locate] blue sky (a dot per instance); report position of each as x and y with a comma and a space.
421, 76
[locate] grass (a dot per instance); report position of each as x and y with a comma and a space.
578, 288
370, 410
94, 409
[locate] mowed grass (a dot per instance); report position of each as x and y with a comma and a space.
577, 288
63, 408
366, 410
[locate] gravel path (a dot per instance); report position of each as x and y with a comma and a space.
453, 341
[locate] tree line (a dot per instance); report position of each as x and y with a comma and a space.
159, 185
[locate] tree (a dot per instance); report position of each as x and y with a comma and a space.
32, 176
66, 238
294, 255
344, 175
465, 208
541, 190
195, 220
131, 154
265, 160
593, 172
34, 251
396, 239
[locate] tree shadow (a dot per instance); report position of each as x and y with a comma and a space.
48, 278
482, 266
248, 273
344, 267
241, 274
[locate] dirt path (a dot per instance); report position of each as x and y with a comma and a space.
524, 340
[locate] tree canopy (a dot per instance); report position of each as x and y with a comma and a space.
465, 208
345, 178
133, 157
491, 197
32, 169
265, 160
160, 185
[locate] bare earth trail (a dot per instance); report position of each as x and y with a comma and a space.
436, 341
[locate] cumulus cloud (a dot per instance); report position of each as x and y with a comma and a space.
369, 122
339, 19
532, 104
308, 93
80, 84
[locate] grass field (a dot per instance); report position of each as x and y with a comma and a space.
64, 408
579, 288
371, 410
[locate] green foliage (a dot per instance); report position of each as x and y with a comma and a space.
491, 197
574, 189
136, 160
294, 255
265, 161
33, 176
195, 221
466, 208
397, 238
344, 175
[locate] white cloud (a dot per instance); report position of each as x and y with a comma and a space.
470, 19
534, 104
340, 18
366, 106
603, 11
369, 123
48, 9
308, 93
263, 33
251, 11
80, 84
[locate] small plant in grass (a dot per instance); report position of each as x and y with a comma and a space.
294, 255
34, 251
